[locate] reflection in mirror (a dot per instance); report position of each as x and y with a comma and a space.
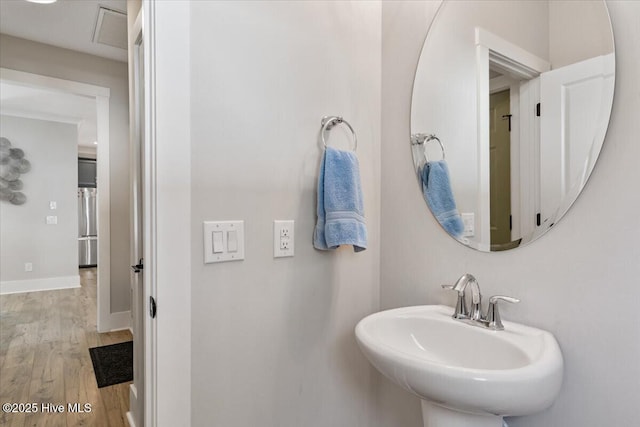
518, 94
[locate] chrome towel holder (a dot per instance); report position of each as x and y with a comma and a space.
423, 138
328, 122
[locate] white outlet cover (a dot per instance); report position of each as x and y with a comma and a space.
280, 238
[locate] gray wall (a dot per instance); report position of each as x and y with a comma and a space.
37, 58
272, 339
585, 17
51, 148
579, 281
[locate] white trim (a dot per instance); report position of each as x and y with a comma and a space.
130, 420
104, 214
514, 103
22, 78
529, 157
168, 194
133, 399
38, 285
37, 115
483, 214
509, 57
120, 321
101, 95
150, 393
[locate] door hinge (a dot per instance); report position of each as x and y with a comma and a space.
138, 267
538, 219
152, 307
508, 117
538, 109
510, 222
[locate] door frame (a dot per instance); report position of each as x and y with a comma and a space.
142, 382
106, 321
167, 212
492, 50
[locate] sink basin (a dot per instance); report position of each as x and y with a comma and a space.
461, 368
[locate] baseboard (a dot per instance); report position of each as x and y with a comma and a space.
37, 285
133, 403
120, 320
130, 420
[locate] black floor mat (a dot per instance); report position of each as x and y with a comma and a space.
113, 364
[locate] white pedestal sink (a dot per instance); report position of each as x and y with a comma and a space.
466, 376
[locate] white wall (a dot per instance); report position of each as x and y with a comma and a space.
580, 281
273, 339
23, 55
51, 148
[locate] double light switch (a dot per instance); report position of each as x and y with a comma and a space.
223, 241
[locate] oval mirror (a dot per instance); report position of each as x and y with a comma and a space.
510, 106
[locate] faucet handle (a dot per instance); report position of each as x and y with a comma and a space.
461, 311
494, 299
493, 314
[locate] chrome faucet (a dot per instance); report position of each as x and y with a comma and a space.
492, 319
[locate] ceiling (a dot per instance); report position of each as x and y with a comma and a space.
67, 23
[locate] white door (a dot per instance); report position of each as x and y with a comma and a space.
142, 387
528, 159
571, 128
137, 250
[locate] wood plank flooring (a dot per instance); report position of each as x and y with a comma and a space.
44, 358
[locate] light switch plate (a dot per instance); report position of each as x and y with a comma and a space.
283, 238
52, 220
468, 219
223, 251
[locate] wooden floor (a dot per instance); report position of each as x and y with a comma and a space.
44, 358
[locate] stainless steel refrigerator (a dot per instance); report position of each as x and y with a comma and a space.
87, 227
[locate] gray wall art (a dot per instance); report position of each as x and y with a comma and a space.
12, 165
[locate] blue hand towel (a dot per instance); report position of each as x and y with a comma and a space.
436, 186
340, 203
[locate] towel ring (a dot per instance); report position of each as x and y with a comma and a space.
422, 138
329, 122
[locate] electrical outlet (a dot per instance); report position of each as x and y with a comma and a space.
284, 243
28, 266
283, 238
